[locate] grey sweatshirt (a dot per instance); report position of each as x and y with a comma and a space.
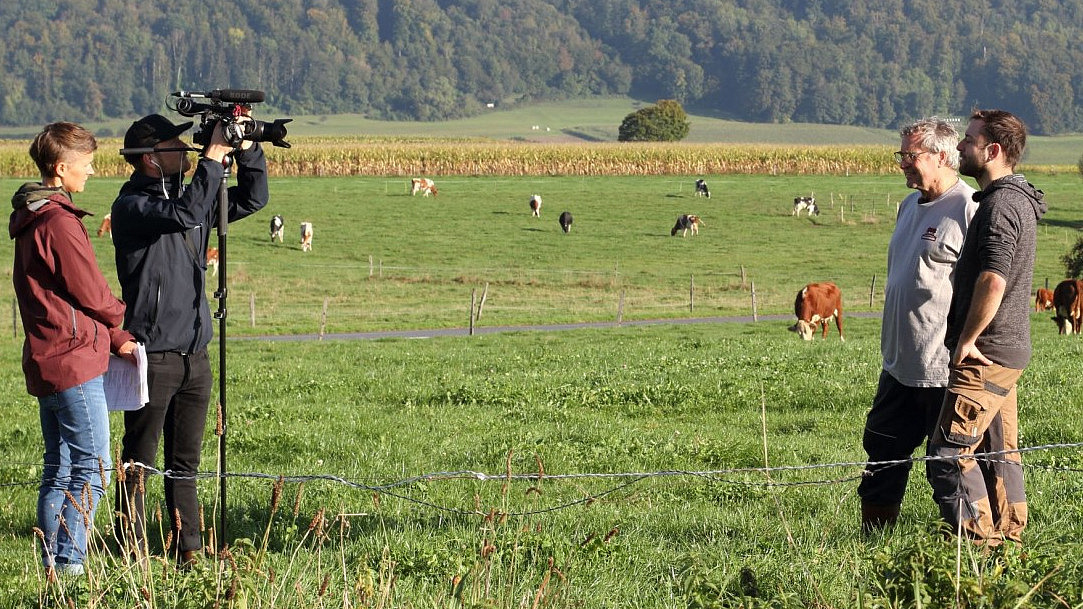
921, 259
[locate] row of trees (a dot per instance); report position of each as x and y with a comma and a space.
826, 61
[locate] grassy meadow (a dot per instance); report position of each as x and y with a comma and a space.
618, 467
645, 443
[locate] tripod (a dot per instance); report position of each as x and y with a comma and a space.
221, 294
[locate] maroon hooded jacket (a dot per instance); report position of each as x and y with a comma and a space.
70, 318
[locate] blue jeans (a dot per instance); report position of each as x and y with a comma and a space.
75, 427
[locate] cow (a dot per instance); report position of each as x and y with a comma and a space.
306, 236
817, 303
686, 223
702, 190
106, 226
1068, 305
566, 221
212, 260
278, 228
807, 204
1043, 300
535, 205
424, 185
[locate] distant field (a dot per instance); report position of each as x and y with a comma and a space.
597, 120
383, 260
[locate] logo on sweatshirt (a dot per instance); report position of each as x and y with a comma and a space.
930, 234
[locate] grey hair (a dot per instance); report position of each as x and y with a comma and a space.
937, 135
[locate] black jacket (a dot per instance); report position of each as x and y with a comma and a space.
161, 243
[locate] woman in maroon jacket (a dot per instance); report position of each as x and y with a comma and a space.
71, 322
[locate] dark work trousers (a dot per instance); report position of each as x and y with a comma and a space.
902, 418
180, 391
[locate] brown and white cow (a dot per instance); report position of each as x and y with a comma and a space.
106, 227
817, 303
535, 205
1043, 300
306, 236
686, 223
1068, 305
424, 185
212, 260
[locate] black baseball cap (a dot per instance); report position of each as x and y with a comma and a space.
152, 130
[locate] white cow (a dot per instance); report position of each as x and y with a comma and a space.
535, 205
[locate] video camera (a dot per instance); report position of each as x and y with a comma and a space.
227, 106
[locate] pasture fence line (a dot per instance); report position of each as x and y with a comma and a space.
626, 478
511, 295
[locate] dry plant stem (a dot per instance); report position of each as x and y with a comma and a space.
774, 496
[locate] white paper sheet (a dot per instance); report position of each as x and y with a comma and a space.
126, 383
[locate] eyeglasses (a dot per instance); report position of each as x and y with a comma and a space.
909, 157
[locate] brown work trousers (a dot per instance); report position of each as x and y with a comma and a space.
983, 496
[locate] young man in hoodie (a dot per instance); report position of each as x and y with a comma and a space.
989, 340
161, 230
71, 322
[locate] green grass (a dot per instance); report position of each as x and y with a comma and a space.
699, 398
715, 397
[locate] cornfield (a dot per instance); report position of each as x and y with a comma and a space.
346, 156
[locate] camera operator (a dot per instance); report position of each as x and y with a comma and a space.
161, 230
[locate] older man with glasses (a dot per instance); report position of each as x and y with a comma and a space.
924, 248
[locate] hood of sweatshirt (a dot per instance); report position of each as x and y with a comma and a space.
32, 201
1019, 184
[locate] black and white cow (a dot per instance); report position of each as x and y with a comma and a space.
806, 204
566, 221
278, 228
702, 190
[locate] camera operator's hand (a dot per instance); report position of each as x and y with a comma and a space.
218, 148
245, 144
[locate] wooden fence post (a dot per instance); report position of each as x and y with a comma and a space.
252, 308
14, 318
481, 305
755, 317
370, 267
620, 309
872, 289
473, 299
323, 319
691, 292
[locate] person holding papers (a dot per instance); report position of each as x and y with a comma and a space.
71, 322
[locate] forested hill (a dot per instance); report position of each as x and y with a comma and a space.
825, 61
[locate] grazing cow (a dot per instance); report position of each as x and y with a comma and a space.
306, 236
702, 190
535, 206
686, 223
1068, 305
1043, 300
212, 260
805, 204
817, 303
566, 221
278, 228
106, 226
424, 185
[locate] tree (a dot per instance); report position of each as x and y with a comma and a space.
1073, 260
665, 121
